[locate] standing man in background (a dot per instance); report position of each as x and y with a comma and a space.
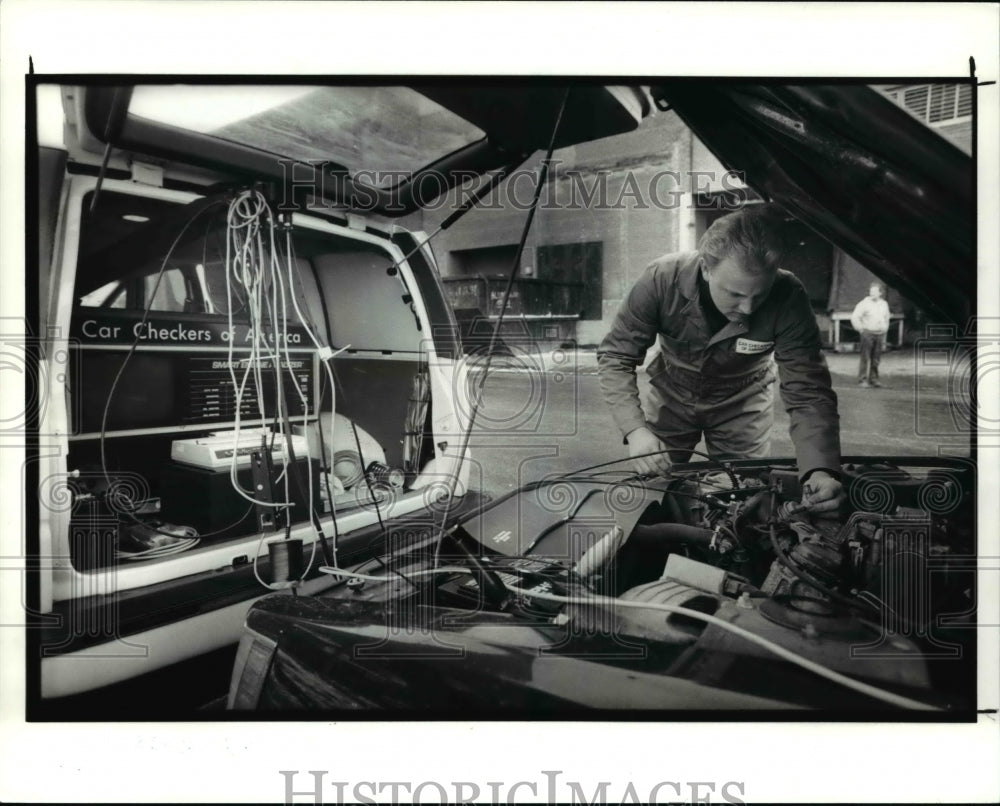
871, 319
724, 316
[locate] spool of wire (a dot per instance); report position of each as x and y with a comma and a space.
348, 468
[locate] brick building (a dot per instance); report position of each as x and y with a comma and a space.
611, 207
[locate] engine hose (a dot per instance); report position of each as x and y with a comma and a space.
674, 532
673, 505
751, 506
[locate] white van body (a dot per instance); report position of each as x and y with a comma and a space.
110, 622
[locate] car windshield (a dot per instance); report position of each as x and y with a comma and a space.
382, 133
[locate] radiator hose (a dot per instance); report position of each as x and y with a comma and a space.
673, 533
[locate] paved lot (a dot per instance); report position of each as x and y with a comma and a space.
551, 421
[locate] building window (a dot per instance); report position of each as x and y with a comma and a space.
575, 273
486, 261
934, 104
565, 281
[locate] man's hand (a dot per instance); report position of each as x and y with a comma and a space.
822, 493
641, 441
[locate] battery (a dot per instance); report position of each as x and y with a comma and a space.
205, 499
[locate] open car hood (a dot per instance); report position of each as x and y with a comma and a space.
856, 168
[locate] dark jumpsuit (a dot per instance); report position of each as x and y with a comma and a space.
720, 384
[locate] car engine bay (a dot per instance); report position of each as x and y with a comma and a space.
717, 575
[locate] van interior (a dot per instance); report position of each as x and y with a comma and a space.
227, 383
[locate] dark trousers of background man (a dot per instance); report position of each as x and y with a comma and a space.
871, 350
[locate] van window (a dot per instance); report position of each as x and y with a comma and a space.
110, 295
173, 292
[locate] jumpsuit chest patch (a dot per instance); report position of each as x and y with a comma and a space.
751, 347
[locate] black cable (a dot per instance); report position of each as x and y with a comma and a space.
330, 497
515, 266
293, 261
297, 479
371, 492
725, 469
112, 111
629, 474
477, 197
279, 389
121, 369
342, 391
314, 517
466, 206
219, 258
100, 178
490, 583
561, 522
326, 469
705, 499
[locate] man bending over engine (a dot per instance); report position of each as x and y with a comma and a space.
725, 316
